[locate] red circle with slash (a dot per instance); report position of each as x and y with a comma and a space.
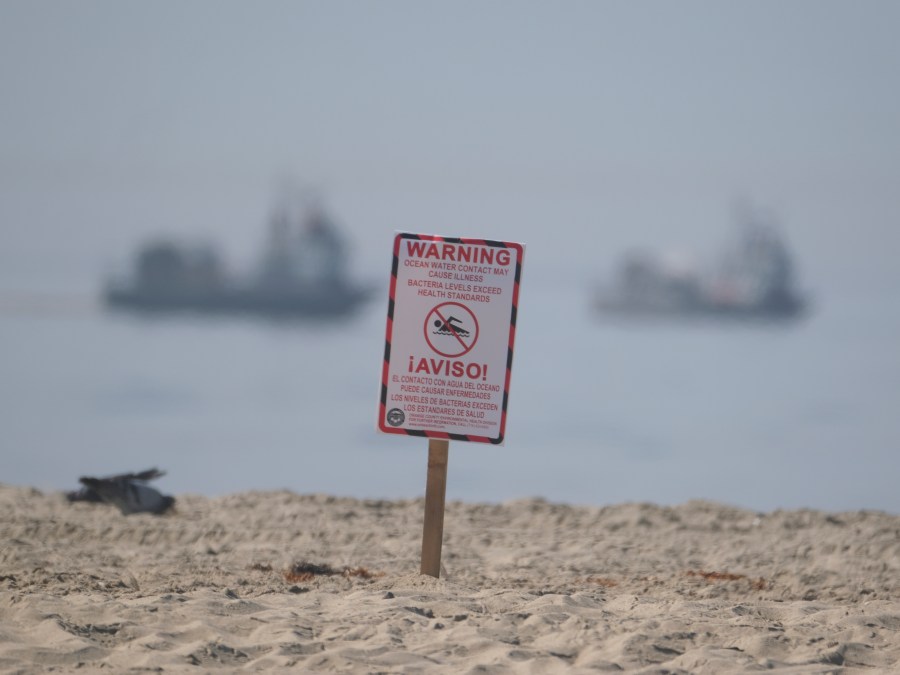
451, 329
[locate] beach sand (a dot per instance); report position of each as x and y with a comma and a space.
527, 587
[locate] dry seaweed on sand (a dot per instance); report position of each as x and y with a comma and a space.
306, 571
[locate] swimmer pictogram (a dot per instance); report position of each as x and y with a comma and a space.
451, 329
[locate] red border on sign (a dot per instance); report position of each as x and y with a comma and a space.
385, 371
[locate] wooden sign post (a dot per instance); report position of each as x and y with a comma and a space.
435, 493
448, 351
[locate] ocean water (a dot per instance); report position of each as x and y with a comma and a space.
758, 415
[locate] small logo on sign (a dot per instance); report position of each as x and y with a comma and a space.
395, 417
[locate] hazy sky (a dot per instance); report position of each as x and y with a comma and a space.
612, 122
582, 129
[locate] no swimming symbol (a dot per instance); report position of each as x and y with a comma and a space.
451, 329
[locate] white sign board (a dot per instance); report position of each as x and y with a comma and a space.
451, 326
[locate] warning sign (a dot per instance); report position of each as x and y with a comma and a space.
449, 341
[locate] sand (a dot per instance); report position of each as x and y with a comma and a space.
526, 587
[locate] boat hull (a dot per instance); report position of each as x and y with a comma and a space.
294, 303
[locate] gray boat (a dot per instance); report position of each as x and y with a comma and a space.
302, 273
754, 279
